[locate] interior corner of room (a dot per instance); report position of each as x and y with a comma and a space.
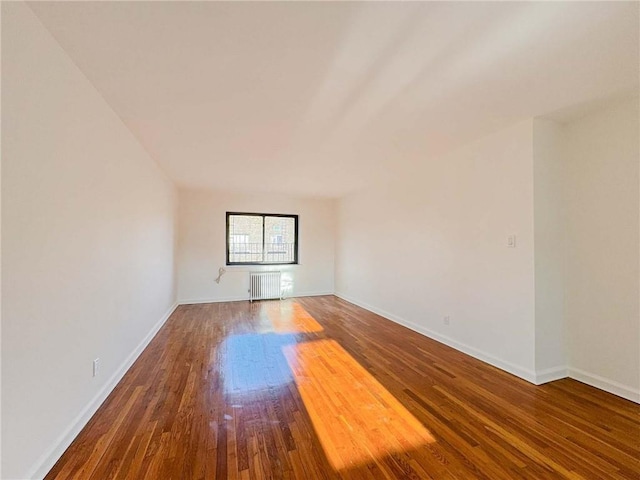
492, 206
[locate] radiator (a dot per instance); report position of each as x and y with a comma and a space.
264, 285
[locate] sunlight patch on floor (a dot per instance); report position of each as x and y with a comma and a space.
290, 317
355, 417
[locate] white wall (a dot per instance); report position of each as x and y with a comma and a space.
432, 243
549, 235
87, 253
202, 247
602, 313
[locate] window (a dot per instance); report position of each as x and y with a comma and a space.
261, 239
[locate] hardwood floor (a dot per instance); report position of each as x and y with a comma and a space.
317, 388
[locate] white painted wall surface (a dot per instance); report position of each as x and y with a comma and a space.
550, 248
202, 247
87, 247
432, 243
603, 318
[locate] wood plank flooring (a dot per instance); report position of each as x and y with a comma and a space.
317, 388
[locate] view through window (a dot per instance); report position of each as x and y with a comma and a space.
261, 238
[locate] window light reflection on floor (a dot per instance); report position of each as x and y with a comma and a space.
356, 418
290, 317
254, 361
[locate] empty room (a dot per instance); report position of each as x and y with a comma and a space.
320, 240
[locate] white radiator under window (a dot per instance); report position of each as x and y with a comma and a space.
264, 285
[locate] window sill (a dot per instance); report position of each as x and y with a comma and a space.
253, 265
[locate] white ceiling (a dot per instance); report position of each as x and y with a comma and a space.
321, 99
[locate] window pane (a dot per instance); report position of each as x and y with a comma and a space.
245, 238
280, 240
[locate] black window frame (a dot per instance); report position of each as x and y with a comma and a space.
263, 215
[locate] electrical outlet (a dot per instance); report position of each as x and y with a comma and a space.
446, 320
96, 367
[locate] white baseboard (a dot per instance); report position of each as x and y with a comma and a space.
605, 384
246, 299
51, 456
551, 374
509, 367
198, 301
311, 294
537, 378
